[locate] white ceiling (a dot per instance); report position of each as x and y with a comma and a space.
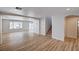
50, 11
43, 11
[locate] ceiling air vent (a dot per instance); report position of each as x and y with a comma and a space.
18, 8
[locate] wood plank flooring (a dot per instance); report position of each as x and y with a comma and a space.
21, 41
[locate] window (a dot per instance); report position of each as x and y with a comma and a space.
15, 25
31, 27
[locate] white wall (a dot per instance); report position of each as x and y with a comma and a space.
58, 27
42, 26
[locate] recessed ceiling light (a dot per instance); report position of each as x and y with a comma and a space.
68, 9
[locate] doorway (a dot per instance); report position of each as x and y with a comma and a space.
48, 26
72, 27
78, 28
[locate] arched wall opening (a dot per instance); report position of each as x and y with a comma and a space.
71, 27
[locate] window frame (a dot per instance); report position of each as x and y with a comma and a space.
15, 25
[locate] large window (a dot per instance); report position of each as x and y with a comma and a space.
15, 25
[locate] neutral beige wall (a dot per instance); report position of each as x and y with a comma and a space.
71, 26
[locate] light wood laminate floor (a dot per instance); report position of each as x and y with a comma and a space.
22, 41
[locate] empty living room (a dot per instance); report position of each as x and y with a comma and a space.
39, 28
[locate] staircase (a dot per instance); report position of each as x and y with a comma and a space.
49, 33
